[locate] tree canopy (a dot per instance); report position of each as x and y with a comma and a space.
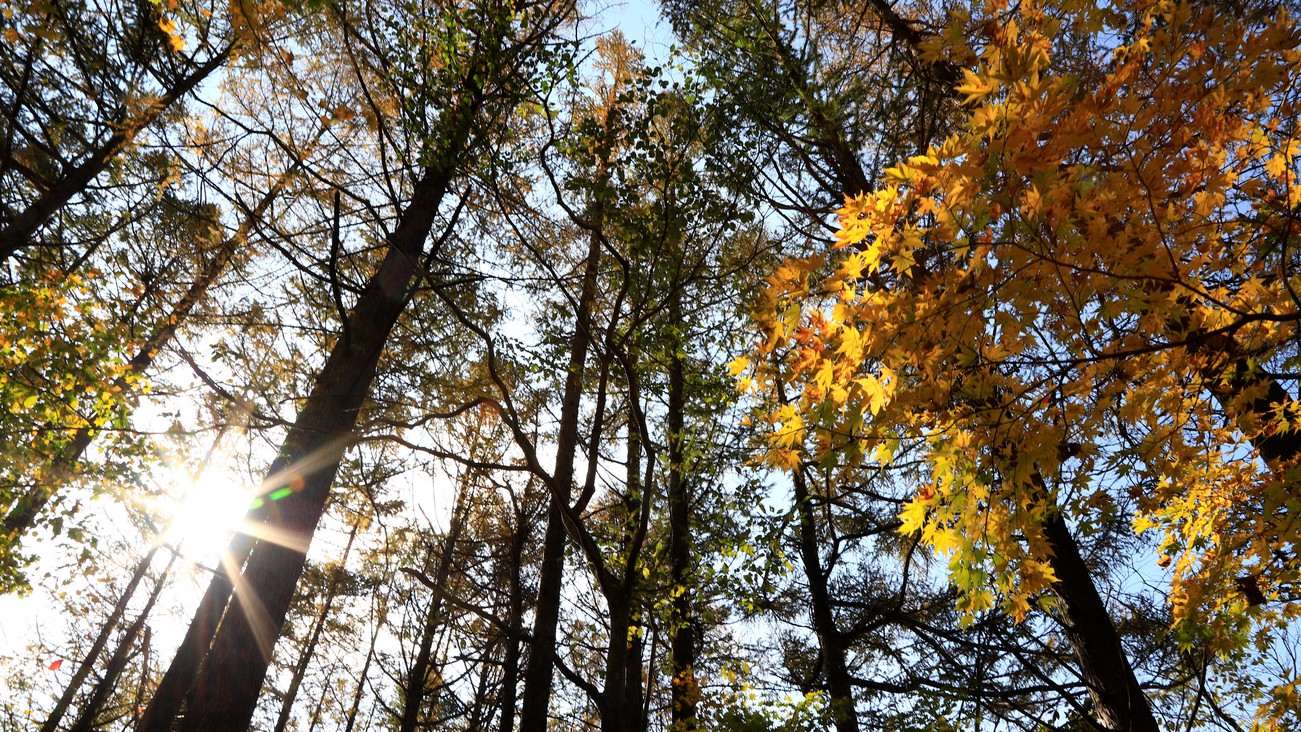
555, 393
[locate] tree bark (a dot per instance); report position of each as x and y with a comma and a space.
226, 690
169, 697
617, 714
1104, 667
685, 690
539, 670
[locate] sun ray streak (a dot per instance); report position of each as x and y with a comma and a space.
295, 540
254, 611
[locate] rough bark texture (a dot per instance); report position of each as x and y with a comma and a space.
1104, 667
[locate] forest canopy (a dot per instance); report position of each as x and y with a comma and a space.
707, 365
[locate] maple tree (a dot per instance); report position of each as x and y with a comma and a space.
1082, 304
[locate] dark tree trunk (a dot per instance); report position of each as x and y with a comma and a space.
145, 650
682, 643
539, 670
617, 712
634, 678
839, 683
632, 672
170, 694
309, 652
88, 663
225, 692
1104, 667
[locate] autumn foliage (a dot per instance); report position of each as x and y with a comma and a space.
1077, 304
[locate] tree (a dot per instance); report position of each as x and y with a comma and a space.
492, 51
1062, 303
85, 80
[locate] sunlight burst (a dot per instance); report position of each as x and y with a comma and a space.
203, 520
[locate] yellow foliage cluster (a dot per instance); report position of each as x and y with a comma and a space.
1075, 304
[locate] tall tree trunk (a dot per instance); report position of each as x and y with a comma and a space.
632, 672
514, 620
22, 227
226, 690
418, 676
62, 467
169, 697
617, 714
309, 652
839, 683
539, 671
361, 679
145, 650
1104, 667
88, 663
633, 678
117, 662
685, 690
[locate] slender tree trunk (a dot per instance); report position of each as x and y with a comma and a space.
88, 663
418, 676
1104, 667
514, 622
309, 652
839, 683
539, 671
684, 691
361, 679
145, 649
22, 227
118, 661
62, 467
632, 673
315, 719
